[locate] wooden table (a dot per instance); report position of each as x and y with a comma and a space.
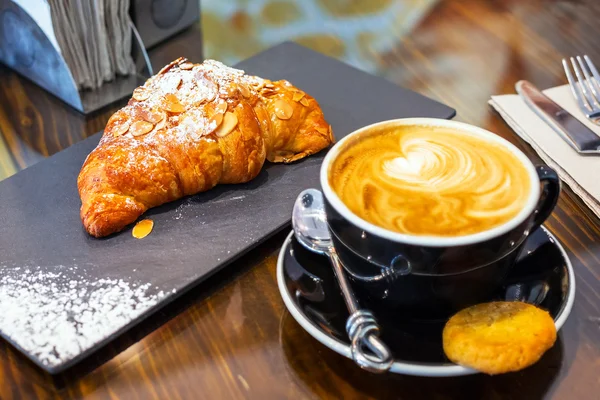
232, 336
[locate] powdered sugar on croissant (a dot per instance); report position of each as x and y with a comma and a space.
187, 129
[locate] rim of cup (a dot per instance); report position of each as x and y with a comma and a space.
430, 240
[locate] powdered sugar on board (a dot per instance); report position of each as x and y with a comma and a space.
57, 313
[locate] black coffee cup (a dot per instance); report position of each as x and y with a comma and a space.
428, 277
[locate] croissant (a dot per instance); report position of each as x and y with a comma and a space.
187, 129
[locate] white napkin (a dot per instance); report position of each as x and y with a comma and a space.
95, 39
581, 173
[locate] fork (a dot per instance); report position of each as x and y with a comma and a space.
586, 89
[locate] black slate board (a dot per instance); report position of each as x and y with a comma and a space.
40, 230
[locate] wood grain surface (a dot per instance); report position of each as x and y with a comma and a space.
232, 338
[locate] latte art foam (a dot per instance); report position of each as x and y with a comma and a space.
425, 180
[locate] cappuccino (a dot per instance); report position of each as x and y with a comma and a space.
427, 180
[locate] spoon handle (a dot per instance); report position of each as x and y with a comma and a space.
362, 327
347, 292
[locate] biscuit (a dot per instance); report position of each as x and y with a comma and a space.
498, 337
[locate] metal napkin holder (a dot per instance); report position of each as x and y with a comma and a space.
25, 48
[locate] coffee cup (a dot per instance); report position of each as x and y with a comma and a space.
428, 216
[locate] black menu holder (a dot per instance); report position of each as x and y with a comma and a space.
25, 48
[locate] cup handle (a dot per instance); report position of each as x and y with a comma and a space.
549, 195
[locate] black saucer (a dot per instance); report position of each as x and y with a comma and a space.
311, 294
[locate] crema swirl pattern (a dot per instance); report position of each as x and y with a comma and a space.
424, 180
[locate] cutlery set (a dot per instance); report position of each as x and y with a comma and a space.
585, 86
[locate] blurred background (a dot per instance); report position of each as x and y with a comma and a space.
356, 31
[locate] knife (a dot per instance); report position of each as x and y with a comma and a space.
579, 136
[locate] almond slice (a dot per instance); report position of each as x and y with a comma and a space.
170, 83
142, 228
283, 110
205, 87
120, 115
298, 96
172, 104
159, 125
229, 122
221, 107
244, 90
227, 92
186, 65
269, 85
121, 129
304, 101
214, 122
204, 80
211, 96
171, 65
322, 129
210, 88
139, 128
141, 94
153, 116
258, 85
267, 92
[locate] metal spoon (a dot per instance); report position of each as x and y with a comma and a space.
310, 228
